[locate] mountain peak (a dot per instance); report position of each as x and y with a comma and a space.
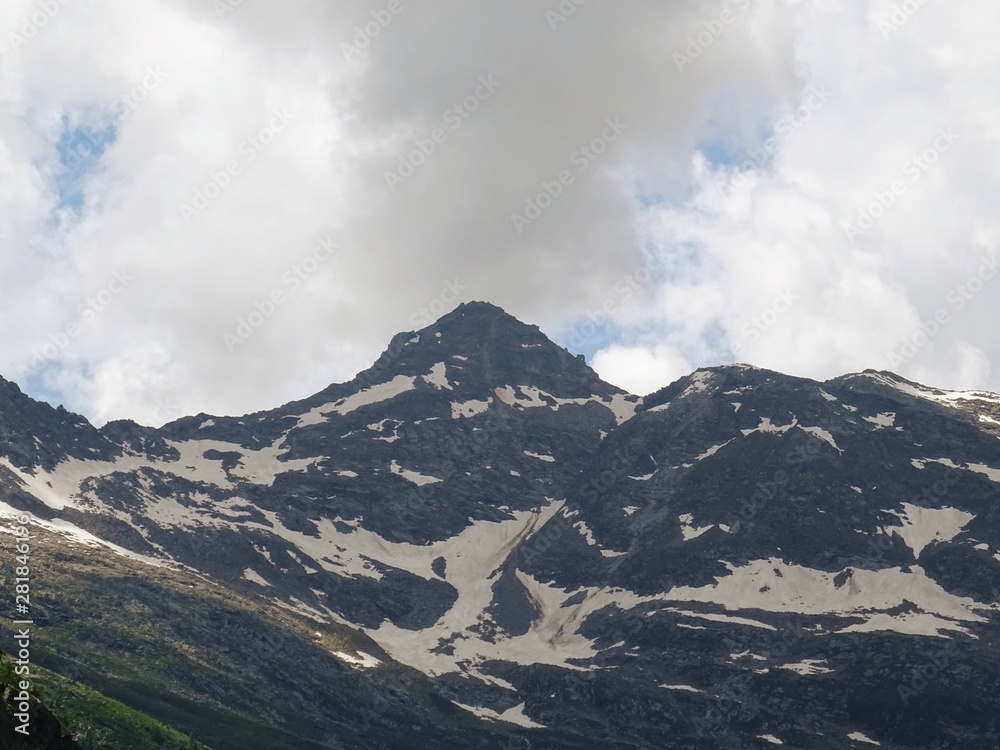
491, 347
479, 490
480, 317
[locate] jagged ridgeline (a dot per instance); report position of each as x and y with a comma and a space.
479, 543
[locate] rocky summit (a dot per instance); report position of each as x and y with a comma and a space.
478, 543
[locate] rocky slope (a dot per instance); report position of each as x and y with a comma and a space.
478, 543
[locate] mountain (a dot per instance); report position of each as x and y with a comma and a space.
478, 543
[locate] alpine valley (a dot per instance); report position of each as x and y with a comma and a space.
477, 543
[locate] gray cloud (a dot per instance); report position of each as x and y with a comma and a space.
211, 201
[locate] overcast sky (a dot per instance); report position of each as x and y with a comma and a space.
218, 206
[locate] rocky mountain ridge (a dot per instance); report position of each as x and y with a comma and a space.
742, 559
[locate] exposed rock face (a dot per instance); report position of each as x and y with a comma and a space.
44, 731
739, 560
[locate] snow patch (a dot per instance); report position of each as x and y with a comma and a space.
531, 397
438, 377
622, 405
712, 451
75, 535
775, 586
688, 530
716, 617
264, 465
922, 526
822, 434
987, 471
745, 654
540, 456
60, 487
911, 623
882, 419
767, 426
700, 380
948, 398
474, 558
808, 667
587, 534
471, 408
250, 574
513, 715
359, 661
858, 737
687, 688
373, 395
412, 476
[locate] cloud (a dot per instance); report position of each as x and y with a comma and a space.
249, 136
855, 230
639, 369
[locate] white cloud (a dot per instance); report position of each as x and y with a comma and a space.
722, 254
908, 109
641, 370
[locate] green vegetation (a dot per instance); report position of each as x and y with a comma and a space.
98, 722
95, 721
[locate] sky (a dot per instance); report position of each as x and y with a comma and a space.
222, 205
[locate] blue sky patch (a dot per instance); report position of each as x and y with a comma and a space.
80, 150
589, 333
